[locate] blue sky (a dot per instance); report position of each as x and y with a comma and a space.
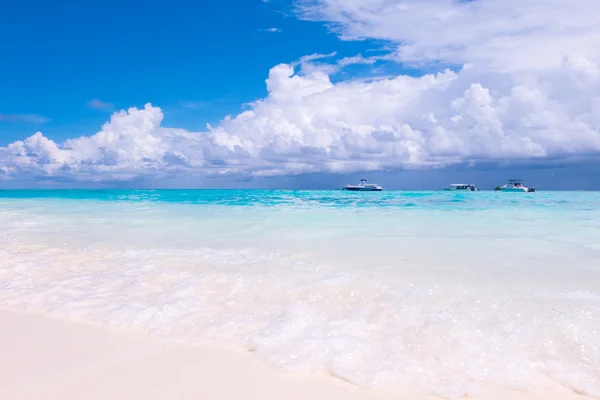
119, 93
198, 60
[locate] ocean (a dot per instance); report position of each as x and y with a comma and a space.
447, 292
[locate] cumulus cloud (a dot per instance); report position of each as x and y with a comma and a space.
132, 143
308, 124
527, 89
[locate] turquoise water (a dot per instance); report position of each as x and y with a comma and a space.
384, 289
335, 198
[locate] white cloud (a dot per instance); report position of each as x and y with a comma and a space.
507, 35
133, 143
359, 59
308, 124
312, 57
529, 90
100, 105
272, 30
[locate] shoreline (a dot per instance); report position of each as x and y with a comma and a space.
51, 357
54, 358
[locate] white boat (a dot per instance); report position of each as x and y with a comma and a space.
515, 185
462, 186
363, 186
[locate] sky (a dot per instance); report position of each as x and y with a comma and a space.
415, 94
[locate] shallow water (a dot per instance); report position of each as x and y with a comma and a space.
441, 290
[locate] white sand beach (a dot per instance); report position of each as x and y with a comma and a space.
47, 358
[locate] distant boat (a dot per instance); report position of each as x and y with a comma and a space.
363, 186
515, 185
462, 186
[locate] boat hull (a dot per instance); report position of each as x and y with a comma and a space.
521, 190
359, 189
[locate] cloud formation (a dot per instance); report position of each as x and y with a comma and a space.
100, 105
131, 144
528, 89
272, 30
502, 36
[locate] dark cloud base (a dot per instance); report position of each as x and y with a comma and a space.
551, 175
